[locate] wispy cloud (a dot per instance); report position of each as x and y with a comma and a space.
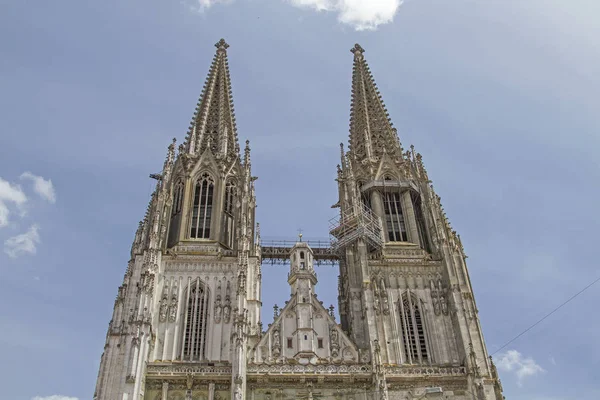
202, 5
9, 193
522, 367
54, 397
41, 186
360, 14
24, 243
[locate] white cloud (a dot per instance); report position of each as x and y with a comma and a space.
9, 193
360, 14
513, 361
204, 4
23, 243
41, 186
54, 397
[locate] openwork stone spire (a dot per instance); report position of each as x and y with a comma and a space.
371, 131
213, 125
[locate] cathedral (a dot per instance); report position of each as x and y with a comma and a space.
187, 321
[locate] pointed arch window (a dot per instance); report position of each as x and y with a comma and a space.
420, 220
228, 213
177, 198
413, 331
176, 213
394, 217
202, 208
195, 321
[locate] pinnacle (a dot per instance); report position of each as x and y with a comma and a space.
221, 44
357, 49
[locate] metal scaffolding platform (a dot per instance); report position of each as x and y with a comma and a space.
277, 252
355, 223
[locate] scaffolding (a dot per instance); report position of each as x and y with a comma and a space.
355, 223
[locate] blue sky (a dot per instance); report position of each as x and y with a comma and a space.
500, 97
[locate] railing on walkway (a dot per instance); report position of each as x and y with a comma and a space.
277, 252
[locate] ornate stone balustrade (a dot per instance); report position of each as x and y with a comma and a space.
298, 369
170, 370
331, 369
424, 371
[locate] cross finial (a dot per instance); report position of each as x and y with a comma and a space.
357, 49
221, 44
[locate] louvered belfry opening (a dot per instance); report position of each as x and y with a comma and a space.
194, 334
413, 331
176, 212
202, 208
394, 217
228, 214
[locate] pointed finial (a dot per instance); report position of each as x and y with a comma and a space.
221, 44
357, 49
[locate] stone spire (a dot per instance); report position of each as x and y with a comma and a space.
371, 131
213, 125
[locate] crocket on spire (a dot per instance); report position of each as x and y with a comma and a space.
371, 131
213, 125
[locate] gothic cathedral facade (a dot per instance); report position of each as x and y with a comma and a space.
187, 323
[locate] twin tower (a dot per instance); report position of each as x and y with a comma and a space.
187, 323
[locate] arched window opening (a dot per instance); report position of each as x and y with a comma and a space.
394, 217
177, 198
202, 209
413, 332
420, 219
194, 334
176, 213
302, 255
228, 213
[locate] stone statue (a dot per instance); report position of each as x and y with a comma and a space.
436, 305
226, 313
173, 309
444, 304
164, 309
218, 309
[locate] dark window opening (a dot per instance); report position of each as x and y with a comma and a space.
394, 217
413, 333
202, 209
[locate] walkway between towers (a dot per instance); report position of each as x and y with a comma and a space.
277, 252
357, 223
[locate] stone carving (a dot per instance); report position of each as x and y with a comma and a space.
218, 309
335, 345
227, 306
173, 309
276, 345
164, 308
438, 297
